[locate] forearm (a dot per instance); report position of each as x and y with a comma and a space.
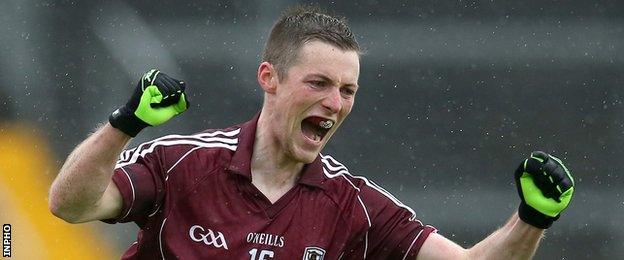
86, 174
545, 187
515, 240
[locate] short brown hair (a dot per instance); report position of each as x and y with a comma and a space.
299, 25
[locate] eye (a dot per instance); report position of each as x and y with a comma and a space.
318, 83
348, 92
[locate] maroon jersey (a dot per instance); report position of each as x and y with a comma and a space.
192, 198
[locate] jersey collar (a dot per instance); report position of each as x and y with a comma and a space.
312, 173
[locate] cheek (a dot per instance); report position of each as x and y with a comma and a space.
347, 105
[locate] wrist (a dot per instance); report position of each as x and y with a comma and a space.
533, 217
126, 121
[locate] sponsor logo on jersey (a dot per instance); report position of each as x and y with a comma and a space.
313, 253
265, 239
207, 236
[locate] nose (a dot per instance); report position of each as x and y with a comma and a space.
333, 101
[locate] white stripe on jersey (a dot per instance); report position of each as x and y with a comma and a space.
133, 196
160, 244
334, 168
412, 244
179, 160
136, 155
126, 154
341, 170
365, 211
369, 225
200, 140
330, 175
366, 244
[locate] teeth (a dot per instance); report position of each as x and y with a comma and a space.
317, 137
326, 124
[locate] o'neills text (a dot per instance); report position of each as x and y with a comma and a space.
265, 239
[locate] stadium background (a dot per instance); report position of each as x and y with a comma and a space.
453, 95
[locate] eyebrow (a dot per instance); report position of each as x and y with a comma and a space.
325, 78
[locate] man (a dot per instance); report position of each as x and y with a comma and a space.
262, 190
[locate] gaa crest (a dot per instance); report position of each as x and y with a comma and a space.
313, 253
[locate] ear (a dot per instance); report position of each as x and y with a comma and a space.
267, 77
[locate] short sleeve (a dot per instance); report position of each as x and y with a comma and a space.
395, 233
140, 177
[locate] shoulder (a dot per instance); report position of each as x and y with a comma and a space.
339, 178
342, 183
175, 146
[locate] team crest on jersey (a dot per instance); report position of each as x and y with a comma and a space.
313, 253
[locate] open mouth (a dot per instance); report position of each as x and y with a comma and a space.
315, 128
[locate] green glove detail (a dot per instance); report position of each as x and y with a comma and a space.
156, 99
152, 112
545, 187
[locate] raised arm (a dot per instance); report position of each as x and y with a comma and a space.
545, 187
515, 240
83, 190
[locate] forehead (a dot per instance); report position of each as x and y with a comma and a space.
318, 57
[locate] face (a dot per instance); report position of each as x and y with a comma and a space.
313, 99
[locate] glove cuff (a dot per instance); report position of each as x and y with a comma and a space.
126, 121
534, 218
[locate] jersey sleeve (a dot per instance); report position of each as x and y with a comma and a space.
394, 232
139, 177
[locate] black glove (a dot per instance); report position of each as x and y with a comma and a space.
545, 187
156, 99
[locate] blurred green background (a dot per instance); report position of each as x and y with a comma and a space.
453, 94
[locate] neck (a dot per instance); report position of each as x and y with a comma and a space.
271, 167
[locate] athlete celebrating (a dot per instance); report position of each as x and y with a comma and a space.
261, 189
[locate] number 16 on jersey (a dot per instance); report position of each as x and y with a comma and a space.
260, 254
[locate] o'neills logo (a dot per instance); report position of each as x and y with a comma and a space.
207, 236
265, 239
